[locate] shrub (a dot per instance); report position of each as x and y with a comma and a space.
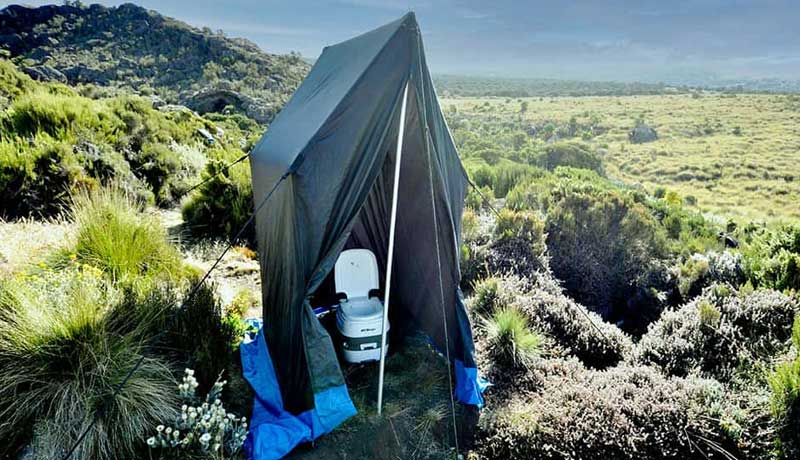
470, 227
476, 199
222, 205
784, 382
579, 331
509, 174
510, 341
203, 429
621, 413
691, 275
519, 246
771, 257
571, 154
36, 175
520, 224
716, 334
601, 241
116, 236
61, 358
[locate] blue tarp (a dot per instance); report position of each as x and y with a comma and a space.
274, 432
469, 385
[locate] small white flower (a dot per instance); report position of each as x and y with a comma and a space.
160, 428
151, 442
205, 438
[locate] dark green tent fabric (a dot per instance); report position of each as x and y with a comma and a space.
336, 140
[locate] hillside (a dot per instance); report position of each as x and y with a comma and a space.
131, 48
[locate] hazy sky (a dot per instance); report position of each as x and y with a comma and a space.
601, 39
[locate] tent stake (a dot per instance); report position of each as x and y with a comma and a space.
398, 157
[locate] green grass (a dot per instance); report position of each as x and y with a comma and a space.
737, 155
510, 340
61, 357
116, 236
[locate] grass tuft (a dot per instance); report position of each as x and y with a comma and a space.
116, 236
510, 341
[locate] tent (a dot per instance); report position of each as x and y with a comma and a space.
328, 166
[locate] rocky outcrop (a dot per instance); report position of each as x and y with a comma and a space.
44, 73
216, 99
642, 133
133, 48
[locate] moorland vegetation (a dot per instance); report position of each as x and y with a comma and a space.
632, 300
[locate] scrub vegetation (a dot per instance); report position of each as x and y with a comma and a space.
630, 258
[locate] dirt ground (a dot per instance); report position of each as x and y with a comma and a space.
417, 420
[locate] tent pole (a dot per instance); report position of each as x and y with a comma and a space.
398, 157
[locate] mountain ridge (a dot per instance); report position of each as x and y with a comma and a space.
135, 49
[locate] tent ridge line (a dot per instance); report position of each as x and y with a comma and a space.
300, 158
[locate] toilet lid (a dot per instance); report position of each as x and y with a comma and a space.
356, 273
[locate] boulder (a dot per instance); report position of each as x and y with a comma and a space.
84, 74
44, 73
642, 133
216, 99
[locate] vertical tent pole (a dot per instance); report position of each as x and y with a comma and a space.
398, 157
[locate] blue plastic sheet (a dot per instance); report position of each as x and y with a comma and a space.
469, 386
274, 432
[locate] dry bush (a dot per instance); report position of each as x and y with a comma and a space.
627, 412
719, 332
579, 331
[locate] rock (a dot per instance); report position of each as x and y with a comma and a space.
206, 136
173, 108
157, 102
642, 133
84, 74
216, 99
44, 73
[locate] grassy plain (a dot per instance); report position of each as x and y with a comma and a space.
738, 155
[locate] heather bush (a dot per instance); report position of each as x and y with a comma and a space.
571, 326
718, 332
518, 246
622, 413
222, 205
601, 242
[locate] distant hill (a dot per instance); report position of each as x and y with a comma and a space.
471, 86
132, 48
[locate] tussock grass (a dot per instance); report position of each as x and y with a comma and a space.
116, 236
510, 340
62, 357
